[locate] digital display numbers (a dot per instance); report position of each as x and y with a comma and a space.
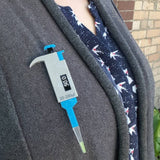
65, 82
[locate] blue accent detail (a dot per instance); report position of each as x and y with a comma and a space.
68, 106
60, 55
49, 46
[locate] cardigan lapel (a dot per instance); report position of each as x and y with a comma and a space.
116, 27
110, 19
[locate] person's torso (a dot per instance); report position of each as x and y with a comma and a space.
45, 124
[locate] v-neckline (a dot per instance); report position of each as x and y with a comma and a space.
68, 7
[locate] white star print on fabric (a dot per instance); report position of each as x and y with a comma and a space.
101, 61
78, 22
136, 108
131, 152
116, 91
94, 49
134, 88
132, 129
114, 55
96, 25
73, 15
128, 119
104, 35
127, 112
89, 6
110, 73
120, 86
131, 157
130, 80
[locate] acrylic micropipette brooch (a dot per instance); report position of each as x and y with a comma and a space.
63, 86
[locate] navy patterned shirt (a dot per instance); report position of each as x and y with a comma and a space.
114, 64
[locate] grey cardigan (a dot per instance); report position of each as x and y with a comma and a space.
33, 126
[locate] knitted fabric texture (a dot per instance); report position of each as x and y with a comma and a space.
114, 64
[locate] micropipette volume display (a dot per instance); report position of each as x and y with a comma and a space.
63, 87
